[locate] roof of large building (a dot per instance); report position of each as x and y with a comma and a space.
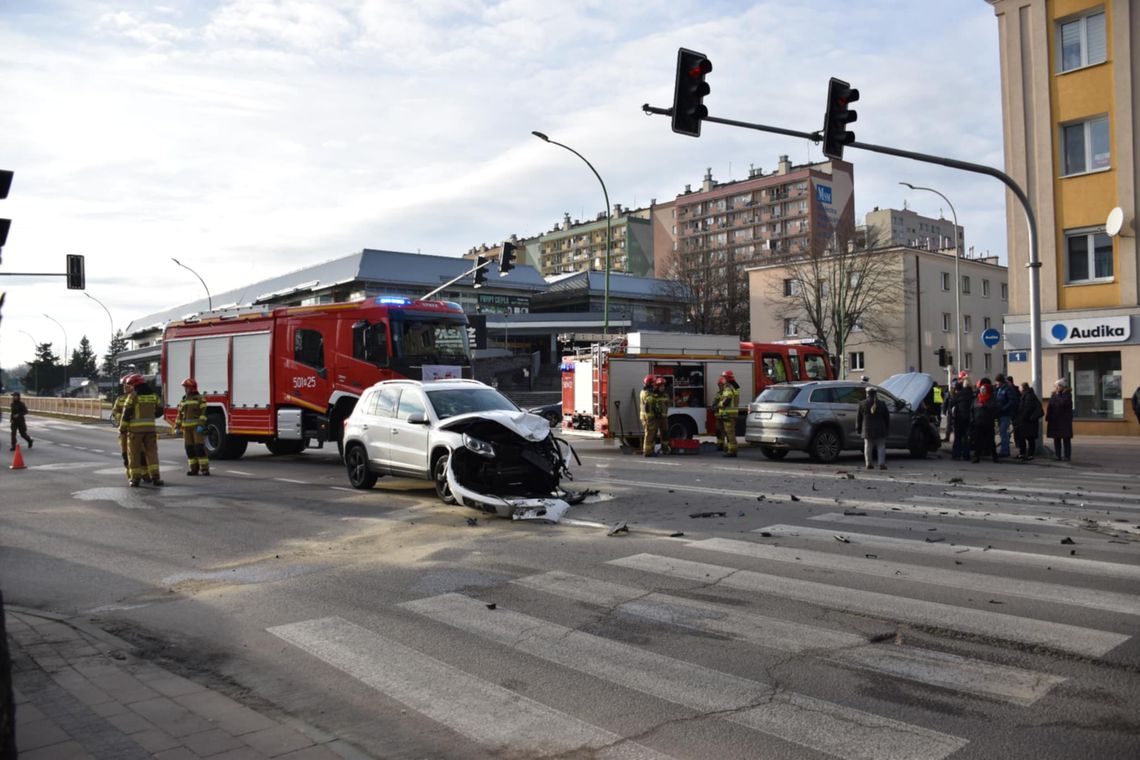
384, 268
622, 284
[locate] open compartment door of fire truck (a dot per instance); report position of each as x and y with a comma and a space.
624, 386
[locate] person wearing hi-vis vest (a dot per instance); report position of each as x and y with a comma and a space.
139, 411
191, 421
727, 409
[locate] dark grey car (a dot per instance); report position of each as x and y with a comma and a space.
819, 417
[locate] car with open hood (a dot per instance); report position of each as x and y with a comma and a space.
819, 417
476, 446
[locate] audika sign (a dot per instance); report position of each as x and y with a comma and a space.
1080, 331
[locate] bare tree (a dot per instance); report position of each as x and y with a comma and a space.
841, 290
711, 291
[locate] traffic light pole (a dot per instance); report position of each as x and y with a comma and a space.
454, 280
1034, 264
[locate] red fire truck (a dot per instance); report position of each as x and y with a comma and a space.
289, 376
600, 385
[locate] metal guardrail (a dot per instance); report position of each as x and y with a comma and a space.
91, 408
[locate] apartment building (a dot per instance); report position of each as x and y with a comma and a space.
576, 246
917, 305
889, 226
1070, 76
726, 228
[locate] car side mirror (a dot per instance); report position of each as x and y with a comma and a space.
417, 418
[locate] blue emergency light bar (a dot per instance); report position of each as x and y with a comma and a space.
392, 300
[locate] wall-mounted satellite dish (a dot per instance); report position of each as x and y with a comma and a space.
1114, 225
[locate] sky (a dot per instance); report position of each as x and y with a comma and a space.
250, 138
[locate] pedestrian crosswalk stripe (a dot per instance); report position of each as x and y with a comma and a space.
809, 722
1069, 638
1037, 500
1022, 687
941, 506
1101, 544
499, 719
1125, 604
1093, 567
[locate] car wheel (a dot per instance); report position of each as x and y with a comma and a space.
771, 452
917, 445
356, 462
825, 446
439, 476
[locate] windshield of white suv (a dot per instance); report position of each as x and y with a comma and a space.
455, 401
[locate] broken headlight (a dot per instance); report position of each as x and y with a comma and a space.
480, 447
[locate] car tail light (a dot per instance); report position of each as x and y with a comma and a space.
795, 413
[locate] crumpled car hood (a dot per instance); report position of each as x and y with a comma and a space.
527, 425
911, 387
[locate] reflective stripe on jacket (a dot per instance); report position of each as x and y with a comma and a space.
727, 401
139, 413
117, 410
191, 411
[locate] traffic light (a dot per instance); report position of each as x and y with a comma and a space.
942, 357
480, 272
76, 276
5, 186
690, 91
507, 258
840, 96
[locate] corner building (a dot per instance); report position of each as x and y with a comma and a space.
1069, 96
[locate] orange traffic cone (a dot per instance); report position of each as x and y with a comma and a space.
18, 460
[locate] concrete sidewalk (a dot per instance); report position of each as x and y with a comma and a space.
81, 695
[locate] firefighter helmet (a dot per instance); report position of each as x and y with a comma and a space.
659, 381
123, 379
720, 381
190, 384
135, 379
727, 375
648, 380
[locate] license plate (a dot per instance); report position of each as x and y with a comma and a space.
765, 415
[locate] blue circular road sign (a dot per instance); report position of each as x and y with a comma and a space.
991, 337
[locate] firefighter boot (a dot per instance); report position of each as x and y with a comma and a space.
193, 470
134, 482
157, 482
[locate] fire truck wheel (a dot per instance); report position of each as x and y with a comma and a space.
356, 462
279, 447
220, 445
681, 427
439, 476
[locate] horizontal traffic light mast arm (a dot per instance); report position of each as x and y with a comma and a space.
814, 136
454, 280
33, 274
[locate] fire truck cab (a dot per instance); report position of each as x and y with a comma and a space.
289, 377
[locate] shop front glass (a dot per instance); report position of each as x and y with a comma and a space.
1096, 383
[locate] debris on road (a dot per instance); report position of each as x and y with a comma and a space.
616, 528
676, 534
956, 480
1067, 541
491, 606
853, 513
765, 534
841, 539
871, 556
935, 540
709, 514
795, 498
472, 521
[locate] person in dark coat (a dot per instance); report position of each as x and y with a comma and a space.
960, 414
1059, 420
874, 422
1006, 397
983, 414
18, 417
1025, 424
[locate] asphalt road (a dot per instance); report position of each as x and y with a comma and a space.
751, 609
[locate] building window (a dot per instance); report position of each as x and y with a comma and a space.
790, 327
1081, 42
968, 361
855, 361
946, 281
988, 362
1088, 256
985, 288
966, 284
986, 324
791, 287
1084, 146
947, 322
1004, 292
966, 323
1096, 383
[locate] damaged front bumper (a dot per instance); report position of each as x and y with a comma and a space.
535, 493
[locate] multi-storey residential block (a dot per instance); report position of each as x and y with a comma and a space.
889, 226
722, 229
1070, 79
575, 246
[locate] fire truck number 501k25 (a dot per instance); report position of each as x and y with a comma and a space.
289, 377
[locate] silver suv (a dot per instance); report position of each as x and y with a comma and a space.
819, 417
472, 442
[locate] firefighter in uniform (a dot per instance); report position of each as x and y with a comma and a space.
661, 414
727, 404
139, 411
191, 421
645, 411
117, 421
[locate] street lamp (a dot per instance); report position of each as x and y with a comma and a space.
957, 279
66, 358
109, 318
209, 300
609, 223
35, 348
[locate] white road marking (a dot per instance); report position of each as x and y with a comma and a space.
1021, 687
1069, 638
1125, 604
1076, 501
290, 480
238, 472
499, 719
344, 488
65, 466
809, 722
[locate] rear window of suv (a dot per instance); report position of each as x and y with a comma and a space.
783, 395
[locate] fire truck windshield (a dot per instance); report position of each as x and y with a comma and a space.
430, 338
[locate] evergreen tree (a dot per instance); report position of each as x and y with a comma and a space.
46, 372
82, 362
118, 345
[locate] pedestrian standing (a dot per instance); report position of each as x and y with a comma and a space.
963, 401
727, 404
139, 412
983, 413
1059, 420
1029, 414
191, 420
1136, 403
1005, 398
875, 419
18, 419
949, 411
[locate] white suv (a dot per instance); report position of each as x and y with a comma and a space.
474, 443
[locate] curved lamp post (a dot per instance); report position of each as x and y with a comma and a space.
109, 317
35, 348
609, 223
209, 299
66, 358
957, 278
